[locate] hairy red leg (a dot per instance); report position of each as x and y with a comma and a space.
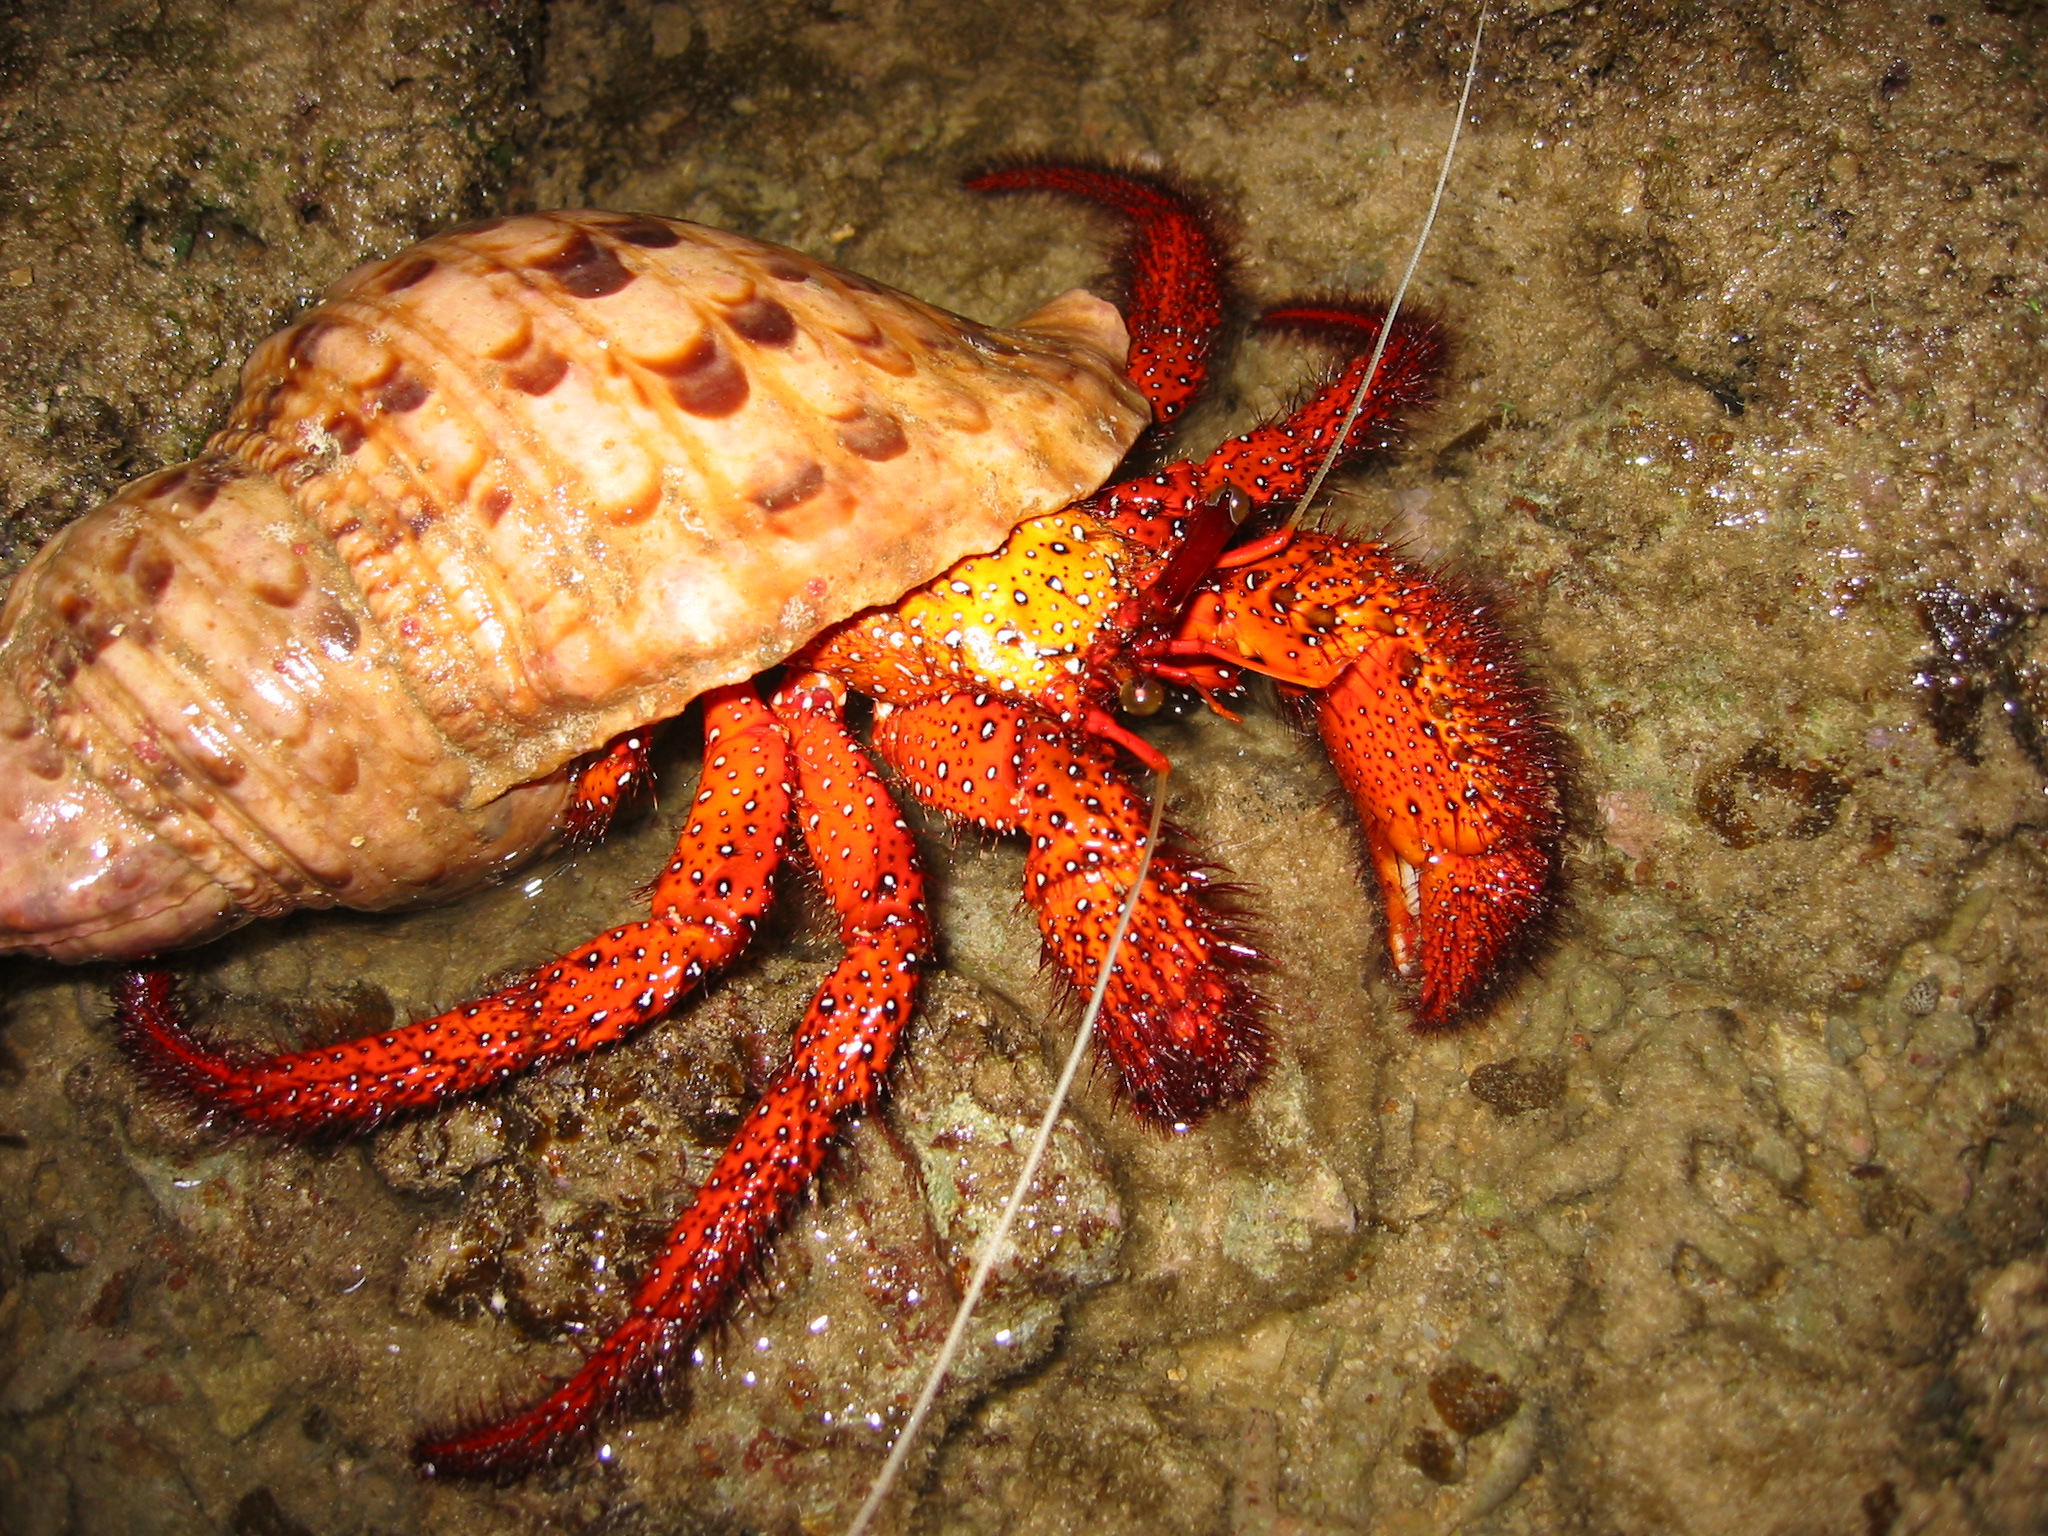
868, 863
1434, 731
1275, 462
1176, 273
610, 780
1179, 1020
706, 905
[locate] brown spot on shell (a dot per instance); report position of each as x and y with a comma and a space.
405, 274
880, 352
404, 393
764, 322
305, 342
330, 762
330, 870
346, 431
513, 342
44, 761
16, 723
792, 489
638, 229
336, 632
637, 505
786, 271
705, 379
281, 580
223, 768
959, 411
874, 435
149, 568
538, 374
95, 635
495, 503
982, 339
584, 268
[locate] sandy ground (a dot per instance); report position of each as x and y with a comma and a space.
1726, 1218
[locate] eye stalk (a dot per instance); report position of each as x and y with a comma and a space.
1141, 695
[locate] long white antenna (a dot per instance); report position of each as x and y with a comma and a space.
1379, 347
992, 1247
997, 1240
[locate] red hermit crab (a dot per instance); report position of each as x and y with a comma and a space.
995, 689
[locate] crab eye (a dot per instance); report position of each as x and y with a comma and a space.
1140, 695
1236, 505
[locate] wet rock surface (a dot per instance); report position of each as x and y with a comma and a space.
1727, 1217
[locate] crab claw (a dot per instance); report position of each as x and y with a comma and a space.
1456, 921
1454, 777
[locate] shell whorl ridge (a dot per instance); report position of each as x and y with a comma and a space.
528, 484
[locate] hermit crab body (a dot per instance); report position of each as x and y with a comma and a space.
490, 503
996, 686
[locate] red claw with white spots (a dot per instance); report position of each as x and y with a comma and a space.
997, 688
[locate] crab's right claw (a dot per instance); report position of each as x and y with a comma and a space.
1456, 923
1455, 777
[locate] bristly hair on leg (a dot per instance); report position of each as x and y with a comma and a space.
1239, 954
197, 1071
1473, 620
1414, 354
608, 783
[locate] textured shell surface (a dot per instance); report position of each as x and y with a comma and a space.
531, 483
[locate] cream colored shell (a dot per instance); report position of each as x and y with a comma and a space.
529, 484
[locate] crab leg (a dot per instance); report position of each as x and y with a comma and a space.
864, 855
1273, 464
609, 781
706, 905
1178, 1020
1174, 267
1437, 737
